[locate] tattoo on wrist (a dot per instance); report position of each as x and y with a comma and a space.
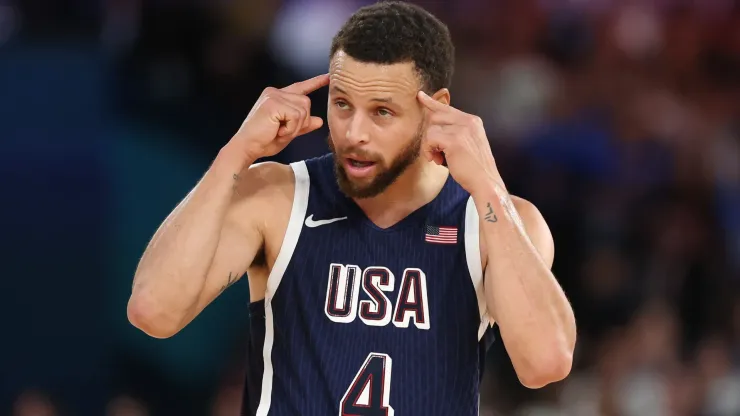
490, 215
232, 279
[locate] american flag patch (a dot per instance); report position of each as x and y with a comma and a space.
440, 235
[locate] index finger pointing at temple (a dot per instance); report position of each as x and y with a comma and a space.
308, 86
430, 102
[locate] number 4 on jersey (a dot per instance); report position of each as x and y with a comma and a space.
370, 390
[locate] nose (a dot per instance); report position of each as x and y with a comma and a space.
358, 131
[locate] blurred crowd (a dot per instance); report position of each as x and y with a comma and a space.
619, 119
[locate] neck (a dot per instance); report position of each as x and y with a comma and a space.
417, 186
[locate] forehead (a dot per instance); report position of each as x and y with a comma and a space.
352, 76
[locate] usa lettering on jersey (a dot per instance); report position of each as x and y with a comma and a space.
342, 296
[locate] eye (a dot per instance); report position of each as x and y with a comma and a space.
341, 104
384, 112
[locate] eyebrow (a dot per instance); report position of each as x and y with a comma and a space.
334, 88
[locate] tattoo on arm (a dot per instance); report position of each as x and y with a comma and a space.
236, 182
232, 279
490, 215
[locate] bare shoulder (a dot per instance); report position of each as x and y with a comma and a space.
263, 192
262, 204
530, 215
536, 227
263, 184
267, 179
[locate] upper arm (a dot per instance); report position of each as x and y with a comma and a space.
260, 197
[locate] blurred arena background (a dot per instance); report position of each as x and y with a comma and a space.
620, 119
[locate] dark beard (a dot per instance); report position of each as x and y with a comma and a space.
386, 176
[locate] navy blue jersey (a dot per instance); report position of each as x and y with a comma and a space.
360, 320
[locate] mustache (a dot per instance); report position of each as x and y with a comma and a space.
358, 153
353, 150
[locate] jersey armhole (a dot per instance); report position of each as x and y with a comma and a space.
475, 266
290, 240
293, 231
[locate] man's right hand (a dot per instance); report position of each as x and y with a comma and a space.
278, 117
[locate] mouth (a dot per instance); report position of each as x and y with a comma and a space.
358, 168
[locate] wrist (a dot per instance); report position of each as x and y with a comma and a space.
491, 202
233, 159
490, 192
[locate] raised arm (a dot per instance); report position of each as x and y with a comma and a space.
522, 295
215, 233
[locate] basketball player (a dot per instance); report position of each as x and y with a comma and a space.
376, 271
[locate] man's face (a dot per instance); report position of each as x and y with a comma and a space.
375, 123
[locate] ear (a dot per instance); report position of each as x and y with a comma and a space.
443, 96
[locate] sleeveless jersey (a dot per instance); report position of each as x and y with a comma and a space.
360, 320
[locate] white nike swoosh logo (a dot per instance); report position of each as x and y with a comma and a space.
317, 223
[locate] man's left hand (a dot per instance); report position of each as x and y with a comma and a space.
460, 139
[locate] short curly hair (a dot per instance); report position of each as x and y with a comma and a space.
392, 32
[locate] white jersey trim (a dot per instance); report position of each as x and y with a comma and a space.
290, 240
475, 266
